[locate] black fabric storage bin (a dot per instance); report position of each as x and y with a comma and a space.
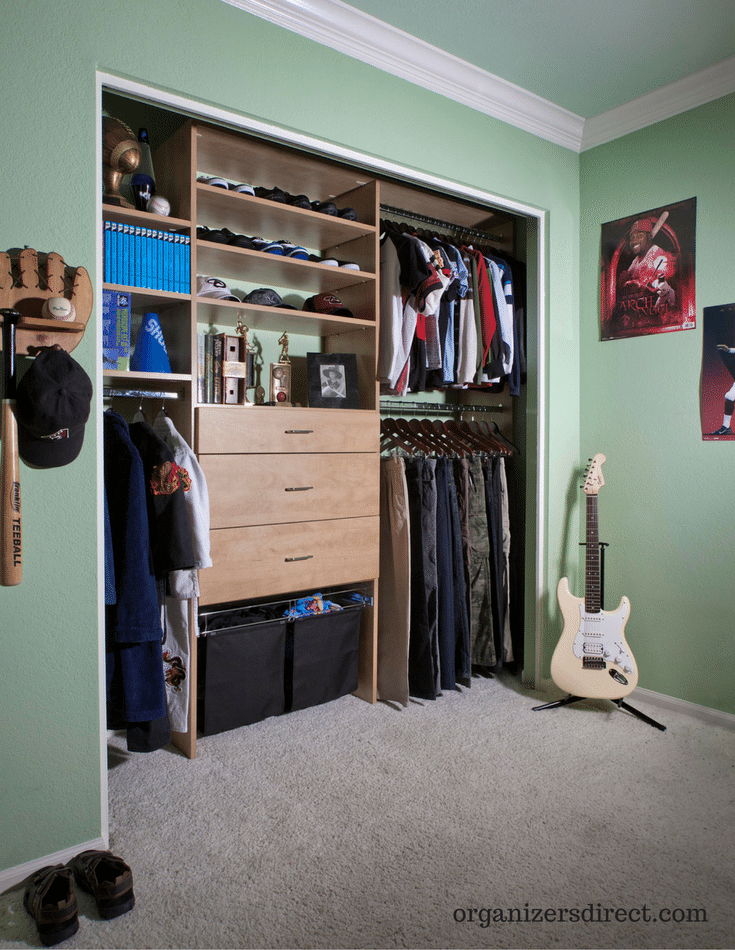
241, 671
322, 657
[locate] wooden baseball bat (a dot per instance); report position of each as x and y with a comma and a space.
659, 224
11, 524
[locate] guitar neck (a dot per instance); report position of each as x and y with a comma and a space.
592, 601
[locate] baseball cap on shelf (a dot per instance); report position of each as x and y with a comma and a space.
214, 287
266, 297
52, 408
327, 303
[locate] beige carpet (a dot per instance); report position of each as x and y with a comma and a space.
349, 826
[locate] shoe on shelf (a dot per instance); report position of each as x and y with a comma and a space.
324, 207
108, 879
299, 201
216, 182
271, 194
349, 265
268, 247
50, 900
294, 250
215, 235
348, 214
243, 189
237, 240
331, 261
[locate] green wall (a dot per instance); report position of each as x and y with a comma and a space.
665, 506
52, 795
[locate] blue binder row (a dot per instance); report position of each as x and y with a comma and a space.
138, 256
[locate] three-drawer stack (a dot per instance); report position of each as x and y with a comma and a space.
297, 501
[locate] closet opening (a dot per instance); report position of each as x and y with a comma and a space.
409, 199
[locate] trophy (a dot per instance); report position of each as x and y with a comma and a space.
239, 374
120, 157
281, 375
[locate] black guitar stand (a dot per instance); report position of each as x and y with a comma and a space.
618, 702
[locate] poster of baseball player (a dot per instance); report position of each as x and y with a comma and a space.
718, 373
647, 272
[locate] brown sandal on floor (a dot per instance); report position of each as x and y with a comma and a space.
51, 902
108, 879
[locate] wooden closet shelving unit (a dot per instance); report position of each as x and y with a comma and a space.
268, 541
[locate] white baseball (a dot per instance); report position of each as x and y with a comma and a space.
159, 205
59, 308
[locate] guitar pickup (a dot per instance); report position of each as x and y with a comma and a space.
593, 663
594, 649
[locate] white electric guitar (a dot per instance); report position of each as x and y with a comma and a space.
592, 659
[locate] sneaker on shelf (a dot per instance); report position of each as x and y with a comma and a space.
243, 189
331, 261
347, 213
349, 265
216, 182
268, 247
294, 250
237, 240
324, 207
215, 235
299, 201
271, 194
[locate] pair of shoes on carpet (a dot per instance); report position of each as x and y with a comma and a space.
49, 896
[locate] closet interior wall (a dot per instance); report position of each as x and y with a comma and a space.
503, 232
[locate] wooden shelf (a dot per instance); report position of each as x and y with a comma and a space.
258, 217
132, 378
147, 297
133, 216
277, 319
257, 269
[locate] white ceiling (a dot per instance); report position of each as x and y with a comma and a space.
578, 72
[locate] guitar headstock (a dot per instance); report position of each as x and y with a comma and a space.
594, 480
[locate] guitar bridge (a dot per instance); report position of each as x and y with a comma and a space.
593, 663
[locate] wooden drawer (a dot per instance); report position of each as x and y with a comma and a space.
231, 430
275, 489
257, 561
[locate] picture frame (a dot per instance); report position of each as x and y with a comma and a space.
333, 380
647, 272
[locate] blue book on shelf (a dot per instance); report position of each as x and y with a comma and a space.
106, 253
115, 328
113, 253
177, 263
149, 257
137, 259
187, 265
161, 261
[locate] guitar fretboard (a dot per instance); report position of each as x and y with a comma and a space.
592, 561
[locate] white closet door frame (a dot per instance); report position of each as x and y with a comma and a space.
379, 167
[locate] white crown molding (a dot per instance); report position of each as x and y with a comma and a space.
688, 93
341, 27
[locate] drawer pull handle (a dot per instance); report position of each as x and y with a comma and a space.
304, 557
301, 488
299, 431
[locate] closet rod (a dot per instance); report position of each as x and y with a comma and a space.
434, 408
435, 222
138, 394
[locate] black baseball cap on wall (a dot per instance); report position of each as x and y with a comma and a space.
52, 407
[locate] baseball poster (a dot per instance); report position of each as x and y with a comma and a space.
647, 272
718, 373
